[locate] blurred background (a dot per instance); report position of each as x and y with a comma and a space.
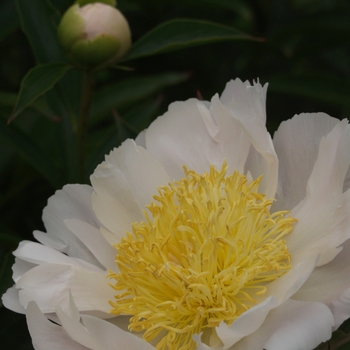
300, 47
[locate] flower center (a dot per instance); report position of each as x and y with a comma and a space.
203, 255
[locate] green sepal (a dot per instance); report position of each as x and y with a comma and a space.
90, 53
71, 28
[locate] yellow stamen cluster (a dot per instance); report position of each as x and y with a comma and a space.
207, 251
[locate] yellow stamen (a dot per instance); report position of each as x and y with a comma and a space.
203, 255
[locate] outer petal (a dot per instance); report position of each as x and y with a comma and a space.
20, 267
231, 136
347, 181
294, 325
124, 184
329, 284
28, 256
246, 98
47, 285
95, 333
201, 346
278, 292
70, 321
72, 202
297, 143
340, 307
197, 134
110, 337
47, 335
38, 254
185, 135
246, 324
11, 301
287, 285
92, 238
246, 104
320, 211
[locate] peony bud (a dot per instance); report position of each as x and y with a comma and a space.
94, 35
85, 2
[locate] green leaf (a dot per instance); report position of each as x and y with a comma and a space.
30, 151
132, 90
39, 20
8, 99
36, 82
179, 34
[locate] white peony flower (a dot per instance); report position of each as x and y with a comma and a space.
202, 233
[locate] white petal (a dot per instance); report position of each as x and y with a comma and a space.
318, 213
47, 285
231, 137
201, 346
20, 267
185, 135
246, 104
110, 337
72, 202
114, 216
338, 231
95, 242
340, 307
124, 184
245, 324
294, 325
329, 284
10, 300
47, 335
262, 160
297, 143
141, 139
288, 284
347, 181
142, 173
246, 98
70, 321
36, 253
279, 291
110, 237
298, 325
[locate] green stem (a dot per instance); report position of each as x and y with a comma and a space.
86, 96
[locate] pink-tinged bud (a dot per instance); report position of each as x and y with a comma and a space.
94, 35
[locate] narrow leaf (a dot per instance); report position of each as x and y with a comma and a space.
179, 34
36, 82
38, 19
